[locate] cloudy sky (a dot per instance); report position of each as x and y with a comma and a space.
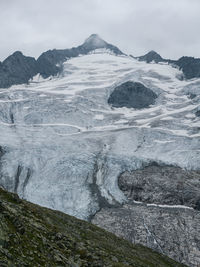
171, 27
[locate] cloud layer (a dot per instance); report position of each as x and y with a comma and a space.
136, 26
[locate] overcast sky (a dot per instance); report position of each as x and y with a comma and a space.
170, 27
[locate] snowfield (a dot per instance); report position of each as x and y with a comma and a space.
64, 146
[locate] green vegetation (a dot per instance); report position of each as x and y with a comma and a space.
31, 235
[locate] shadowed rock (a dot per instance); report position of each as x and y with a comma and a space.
17, 69
132, 95
190, 66
197, 113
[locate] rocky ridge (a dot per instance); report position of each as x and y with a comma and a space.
190, 66
19, 69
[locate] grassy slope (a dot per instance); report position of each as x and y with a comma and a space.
31, 235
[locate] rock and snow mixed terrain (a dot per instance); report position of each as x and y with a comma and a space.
162, 211
63, 146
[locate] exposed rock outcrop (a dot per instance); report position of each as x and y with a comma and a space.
197, 113
160, 211
132, 95
162, 185
171, 231
17, 69
190, 66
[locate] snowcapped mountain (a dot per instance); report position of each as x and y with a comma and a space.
18, 69
65, 145
151, 56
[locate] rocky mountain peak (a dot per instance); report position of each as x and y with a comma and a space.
151, 56
17, 69
94, 41
153, 53
17, 54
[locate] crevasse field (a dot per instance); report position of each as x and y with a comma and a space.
64, 147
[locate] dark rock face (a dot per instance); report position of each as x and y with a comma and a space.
162, 185
190, 66
162, 211
50, 62
197, 113
132, 95
151, 56
17, 69
47, 63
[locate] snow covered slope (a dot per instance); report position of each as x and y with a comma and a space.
63, 145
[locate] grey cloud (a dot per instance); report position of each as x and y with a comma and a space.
136, 26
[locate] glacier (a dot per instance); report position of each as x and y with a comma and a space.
63, 146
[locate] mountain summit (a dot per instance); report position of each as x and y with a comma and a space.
19, 69
151, 56
48, 61
94, 41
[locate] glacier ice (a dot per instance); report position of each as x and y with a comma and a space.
64, 146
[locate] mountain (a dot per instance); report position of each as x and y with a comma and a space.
47, 62
95, 42
19, 69
112, 140
190, 66
34, 236
150, 57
